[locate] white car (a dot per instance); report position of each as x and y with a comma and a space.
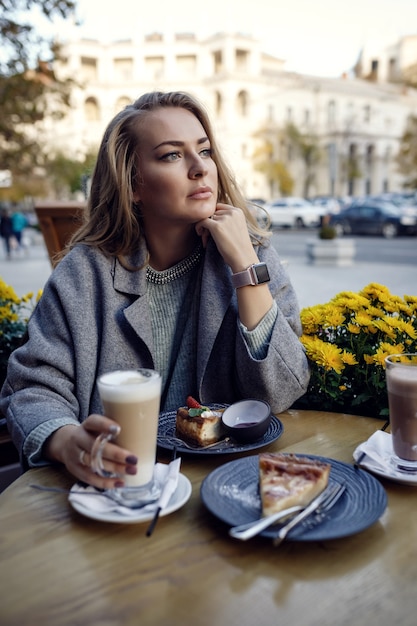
294, 212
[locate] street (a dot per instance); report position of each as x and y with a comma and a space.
399, 250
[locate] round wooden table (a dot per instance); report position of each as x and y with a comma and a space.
60, 568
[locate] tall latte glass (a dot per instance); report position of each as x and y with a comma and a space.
132, 399
401, 373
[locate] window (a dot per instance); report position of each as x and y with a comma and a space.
91, 110
391, 69
241, 60
242, 103
123, 69
186, 65
218, 61
154, 67
218, 103
88, 68
121, 103
154, 37
331, 112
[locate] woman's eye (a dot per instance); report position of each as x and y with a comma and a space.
171, 156
207, 153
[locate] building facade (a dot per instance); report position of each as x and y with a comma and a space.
357, 124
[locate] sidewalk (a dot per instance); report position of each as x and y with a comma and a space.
313, 285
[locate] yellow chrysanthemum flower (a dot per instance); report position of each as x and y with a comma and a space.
324, 354
311, 319
369, 359
350, 301
384, 350
334, 317
385, 328
348, 358
352, 328
376, 292
402, 326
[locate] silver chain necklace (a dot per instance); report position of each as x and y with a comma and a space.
178, 270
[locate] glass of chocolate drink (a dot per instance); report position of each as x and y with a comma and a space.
401, 374
132, 399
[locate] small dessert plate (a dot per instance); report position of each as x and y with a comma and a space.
377, 456
247, 420
103, 510
168, 439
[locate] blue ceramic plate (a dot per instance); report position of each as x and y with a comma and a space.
167, 438
231, 493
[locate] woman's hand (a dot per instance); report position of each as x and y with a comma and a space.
230, 233
228, 228
72, 446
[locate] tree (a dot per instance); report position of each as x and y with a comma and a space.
306, 146
29, 90
407, 155
269, 157
67, 175
274, 169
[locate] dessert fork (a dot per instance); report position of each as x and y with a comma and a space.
176, 441
322, 504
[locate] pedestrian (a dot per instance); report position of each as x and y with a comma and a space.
19, 223
169, 271
6, 231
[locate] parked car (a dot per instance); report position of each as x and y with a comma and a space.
399, 198
331, 204
294, 212
257, 207
375, 218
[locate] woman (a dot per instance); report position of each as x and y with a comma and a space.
156, 277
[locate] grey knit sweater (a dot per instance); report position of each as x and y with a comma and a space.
175, 305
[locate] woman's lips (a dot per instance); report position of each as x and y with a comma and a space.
201, 194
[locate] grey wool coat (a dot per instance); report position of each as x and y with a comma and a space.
94, 317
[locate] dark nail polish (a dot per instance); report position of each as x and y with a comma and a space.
119, 483
131, 469
132, 460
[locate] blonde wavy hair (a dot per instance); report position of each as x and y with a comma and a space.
111, 221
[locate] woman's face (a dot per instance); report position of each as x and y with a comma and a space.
178, 175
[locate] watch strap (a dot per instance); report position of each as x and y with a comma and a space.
255, 274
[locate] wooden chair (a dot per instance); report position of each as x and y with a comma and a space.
58, 221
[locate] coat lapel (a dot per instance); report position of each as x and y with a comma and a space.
133, 283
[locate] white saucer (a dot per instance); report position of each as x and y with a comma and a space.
380, 459
180, 496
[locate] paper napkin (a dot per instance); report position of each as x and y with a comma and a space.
89, 497
379, 453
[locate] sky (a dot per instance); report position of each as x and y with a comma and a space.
318, 37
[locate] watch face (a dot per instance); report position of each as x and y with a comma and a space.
262, 273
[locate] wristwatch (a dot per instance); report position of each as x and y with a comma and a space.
254, 275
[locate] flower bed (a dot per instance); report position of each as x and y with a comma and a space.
347, 340
14, 315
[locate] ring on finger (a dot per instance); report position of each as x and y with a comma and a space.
82, 458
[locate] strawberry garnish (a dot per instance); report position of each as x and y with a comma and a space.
194, 407
192, 403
